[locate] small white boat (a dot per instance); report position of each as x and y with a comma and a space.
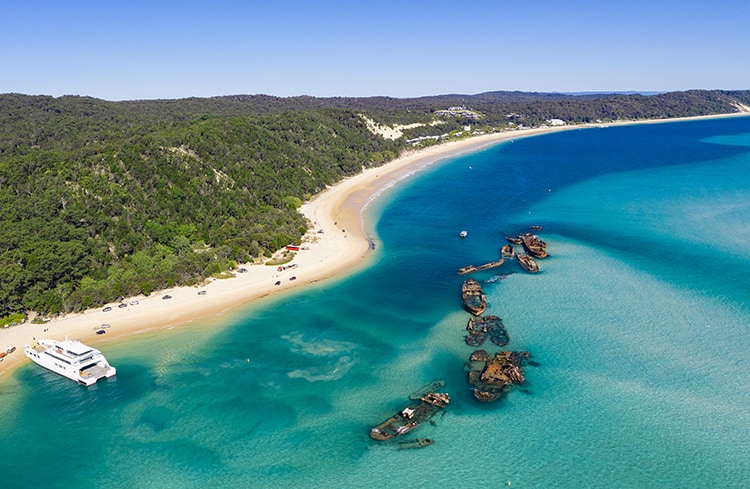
462, 234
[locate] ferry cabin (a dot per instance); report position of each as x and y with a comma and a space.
74, 360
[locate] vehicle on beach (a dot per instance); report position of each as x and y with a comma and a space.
292, 278
107, 309
133, 303
71, 359
165, 297
7, 352
278, 282
121, 305
101, 331
201, 292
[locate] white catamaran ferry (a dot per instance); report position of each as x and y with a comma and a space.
71, 359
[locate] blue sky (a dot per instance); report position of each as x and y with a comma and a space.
134, 49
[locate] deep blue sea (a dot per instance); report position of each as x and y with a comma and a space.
639, 323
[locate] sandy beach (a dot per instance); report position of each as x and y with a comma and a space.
335, 245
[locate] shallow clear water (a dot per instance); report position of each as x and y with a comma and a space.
639, 322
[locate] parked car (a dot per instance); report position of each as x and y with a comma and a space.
166, 297
133, 303
292, 278
121, 305
201, 292
278, 282
107, 309
101, 331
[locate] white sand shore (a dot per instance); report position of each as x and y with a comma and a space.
337, 250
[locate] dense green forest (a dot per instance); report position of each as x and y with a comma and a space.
102, 200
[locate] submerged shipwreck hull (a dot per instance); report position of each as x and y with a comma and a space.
479, 328
473, 297
415, 443
527, 263
410, 417
533, 245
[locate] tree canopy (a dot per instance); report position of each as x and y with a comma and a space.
102, 200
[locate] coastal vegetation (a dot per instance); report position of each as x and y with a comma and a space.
103, 200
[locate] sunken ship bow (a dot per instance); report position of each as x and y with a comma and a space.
473, 297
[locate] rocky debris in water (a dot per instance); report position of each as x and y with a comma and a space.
492, 376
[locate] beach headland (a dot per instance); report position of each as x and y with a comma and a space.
336, 244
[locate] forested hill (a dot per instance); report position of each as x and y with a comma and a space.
102, 200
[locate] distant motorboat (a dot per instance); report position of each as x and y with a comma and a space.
462, 234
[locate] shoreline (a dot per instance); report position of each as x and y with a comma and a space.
341, 248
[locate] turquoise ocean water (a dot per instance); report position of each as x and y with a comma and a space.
639, 322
